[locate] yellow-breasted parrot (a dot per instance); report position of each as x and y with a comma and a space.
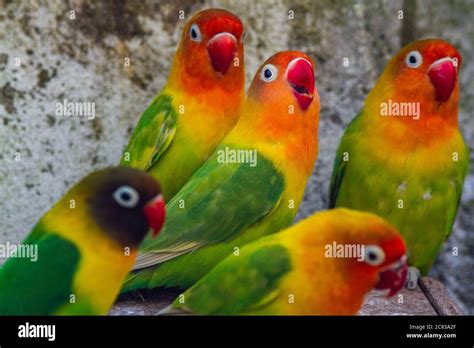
200, 103
232, 199
85, 246
323, 265
403, 156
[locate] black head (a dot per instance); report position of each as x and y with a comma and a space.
121, 200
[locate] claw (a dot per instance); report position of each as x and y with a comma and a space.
412, 279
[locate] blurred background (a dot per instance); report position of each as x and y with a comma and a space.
51, 51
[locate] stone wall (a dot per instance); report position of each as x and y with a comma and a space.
81, 59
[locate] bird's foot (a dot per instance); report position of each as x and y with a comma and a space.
412, 278
137, 293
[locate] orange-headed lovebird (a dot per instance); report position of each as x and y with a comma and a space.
251, 186
323, 265
403, 156
199, 105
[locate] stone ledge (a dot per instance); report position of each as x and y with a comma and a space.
430, 298
439, 297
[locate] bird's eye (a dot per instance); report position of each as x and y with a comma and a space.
374, 255
414, 59
126, 196
269, 73
195, 33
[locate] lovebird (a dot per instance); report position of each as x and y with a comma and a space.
403, 156
85, 245
323, 265
200, 103
251, 185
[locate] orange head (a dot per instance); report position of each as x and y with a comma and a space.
210, 52
362, 250
426, 72
286, 78
342, 254
283, 88
282, 107
394, 269
383, 264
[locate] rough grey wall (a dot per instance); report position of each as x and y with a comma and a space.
82, 60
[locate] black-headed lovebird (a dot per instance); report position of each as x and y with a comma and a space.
85, 246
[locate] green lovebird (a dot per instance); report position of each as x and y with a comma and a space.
85, 245
200, 103
251, 186
297, 271
403, 156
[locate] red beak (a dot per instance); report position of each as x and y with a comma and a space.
222, 48
155, 214
442, 74
393, 276
300, 76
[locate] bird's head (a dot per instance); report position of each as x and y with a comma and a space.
282, 107
124, 202
211, 51
286, 80
365, 250
424, 72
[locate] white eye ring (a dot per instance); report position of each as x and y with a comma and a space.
374, 255
126, 196
195, 33
269, 73
414, 59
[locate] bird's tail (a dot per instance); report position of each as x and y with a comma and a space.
139, 279
170, 310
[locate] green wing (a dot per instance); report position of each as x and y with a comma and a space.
366, 184
218, 202
240, 283
39, 287
339, 162
457, 182
152, 135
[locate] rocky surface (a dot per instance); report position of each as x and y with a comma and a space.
430, 298
49, 54
407, 302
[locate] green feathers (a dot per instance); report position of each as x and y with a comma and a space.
238, 192
239, 283
342, 157
421, 201
152, 135
43, 286
219, 203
